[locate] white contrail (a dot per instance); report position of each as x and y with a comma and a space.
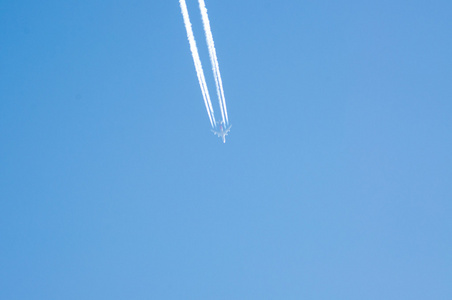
214, 61
197, 61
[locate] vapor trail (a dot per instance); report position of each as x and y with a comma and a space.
214, 61
197, 62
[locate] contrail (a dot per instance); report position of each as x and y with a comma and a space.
197, 61
214, 61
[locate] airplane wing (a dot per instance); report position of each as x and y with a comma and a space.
222, 133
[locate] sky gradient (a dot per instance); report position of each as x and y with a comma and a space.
335, 181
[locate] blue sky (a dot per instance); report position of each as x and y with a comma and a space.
334, 183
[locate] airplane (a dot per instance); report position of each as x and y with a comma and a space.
221, 131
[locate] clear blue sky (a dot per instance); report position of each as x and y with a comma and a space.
334, 183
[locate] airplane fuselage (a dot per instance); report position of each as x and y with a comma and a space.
222, 132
